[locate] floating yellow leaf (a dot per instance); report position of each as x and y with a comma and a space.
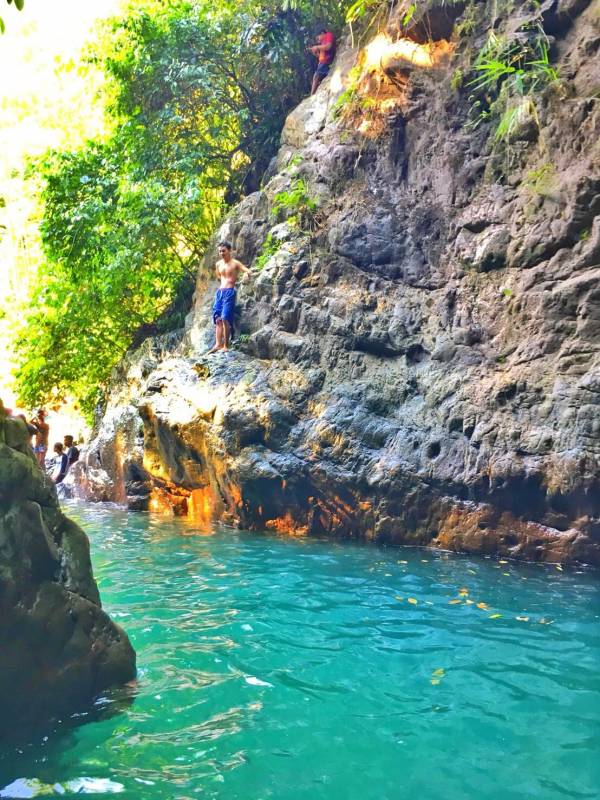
397, 597
469, 602
544, 621
454, 602
495, 616
413, 601
435, 681
522, 619
507, 574
438, 673
403, 562
502, 561
483, 606
472, 571
424, 561
558, 567
463, 592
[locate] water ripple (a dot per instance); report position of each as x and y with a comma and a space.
277, 669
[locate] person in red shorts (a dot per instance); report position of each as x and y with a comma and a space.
324, 50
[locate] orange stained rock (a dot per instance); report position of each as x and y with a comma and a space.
160, 502
287, 524
236, 495
202, 507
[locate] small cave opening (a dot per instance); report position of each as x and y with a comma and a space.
415, 354
433, 449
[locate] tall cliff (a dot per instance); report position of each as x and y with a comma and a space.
58, 647
418, 358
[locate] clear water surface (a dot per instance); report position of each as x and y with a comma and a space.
292, 669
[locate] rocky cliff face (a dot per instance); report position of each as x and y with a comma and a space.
419, 359
58, 648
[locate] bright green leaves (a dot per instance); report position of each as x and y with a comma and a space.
20, 4
197, 95
508, 73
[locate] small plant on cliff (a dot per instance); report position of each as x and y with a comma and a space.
541, 181
507, 75
270, 246
296, 205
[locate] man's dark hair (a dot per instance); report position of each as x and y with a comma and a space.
225, 244
58, 447
68, 439
321, 30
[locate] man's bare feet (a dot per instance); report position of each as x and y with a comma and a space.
212, 350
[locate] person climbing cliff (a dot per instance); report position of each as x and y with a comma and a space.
228, 271
324, 50
41, 434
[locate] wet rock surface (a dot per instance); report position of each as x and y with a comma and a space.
420, 361
59, 648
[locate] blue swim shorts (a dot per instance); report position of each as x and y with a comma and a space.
224, 306
323, 70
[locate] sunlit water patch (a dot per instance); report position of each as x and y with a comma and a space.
293, 668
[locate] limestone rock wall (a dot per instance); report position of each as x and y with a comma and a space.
58, 647
419, 359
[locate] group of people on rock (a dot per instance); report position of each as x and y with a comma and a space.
65, 452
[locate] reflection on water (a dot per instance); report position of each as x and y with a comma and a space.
293, 668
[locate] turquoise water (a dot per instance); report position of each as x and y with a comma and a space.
289, 668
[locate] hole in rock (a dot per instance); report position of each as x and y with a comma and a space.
456, 425
434, 449
415, 354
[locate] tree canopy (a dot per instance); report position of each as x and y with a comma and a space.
20, 4
196, 96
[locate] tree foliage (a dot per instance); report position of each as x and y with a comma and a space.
197, 94
20, 4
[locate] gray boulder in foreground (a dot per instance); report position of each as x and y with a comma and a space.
58, 648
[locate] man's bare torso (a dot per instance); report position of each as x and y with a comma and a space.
43, 431
228, 272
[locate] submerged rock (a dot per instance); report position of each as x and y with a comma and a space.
58, 647
419, 356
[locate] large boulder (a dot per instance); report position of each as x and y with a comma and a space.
59, 648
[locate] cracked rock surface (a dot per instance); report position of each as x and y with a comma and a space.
421, 364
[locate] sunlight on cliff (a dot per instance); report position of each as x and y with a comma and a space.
201, 507
378, 84
382, 51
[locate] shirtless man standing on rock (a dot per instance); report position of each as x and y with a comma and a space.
41, 431
228, 271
